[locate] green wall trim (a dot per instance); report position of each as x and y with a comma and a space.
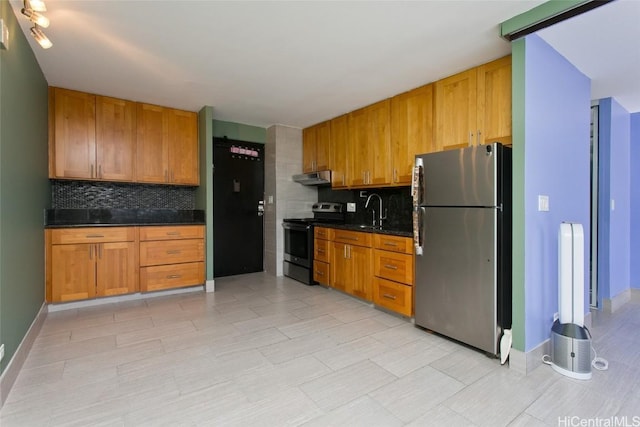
239, 131
518, 233
204, 194
538, 14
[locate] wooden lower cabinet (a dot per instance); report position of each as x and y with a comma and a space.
171, 257
393, 296
85, 263
321, 272
351, 264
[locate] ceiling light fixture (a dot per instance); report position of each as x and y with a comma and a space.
35, 5
42, 40
36, 18
31, 10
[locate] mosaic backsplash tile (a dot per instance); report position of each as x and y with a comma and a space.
109, 195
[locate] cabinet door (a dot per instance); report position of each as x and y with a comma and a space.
455, 115
359, 150
494, 102
362, 272
74, 151
73, 276
116, 268
411, 131
183, 147
339, 151
115, 138
340, 267
152, 144
379, 136
308, 149
323, 146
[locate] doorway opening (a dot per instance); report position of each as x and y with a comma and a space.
238, 207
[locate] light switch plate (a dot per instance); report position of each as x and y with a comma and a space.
351, 207
543, 203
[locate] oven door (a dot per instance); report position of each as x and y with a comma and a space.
298, 243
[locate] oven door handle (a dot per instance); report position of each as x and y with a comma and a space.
296, 226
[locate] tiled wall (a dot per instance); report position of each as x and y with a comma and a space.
100, 195
283, 153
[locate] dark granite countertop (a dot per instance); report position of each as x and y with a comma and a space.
56, 218
368, 229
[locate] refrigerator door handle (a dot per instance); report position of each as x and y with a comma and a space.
418, 229
416, 183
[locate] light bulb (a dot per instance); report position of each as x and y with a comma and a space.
36, 5
36, 18
42, 40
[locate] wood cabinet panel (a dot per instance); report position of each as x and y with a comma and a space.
369, 146
316, 147
341, 268
116, 269
64, 236
322, 233
456, 110
183, 152
352, 237
152, 144
170, 232
393, 266
73, 274
115, 139
321, 250
159, 277
74, 134
321, 273
411, 131
339, 151
360, 284
494, 102
171, 251
393, 243
393, 296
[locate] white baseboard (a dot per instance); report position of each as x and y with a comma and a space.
635, 295
12, 370
119, 298
210, 286
611, 305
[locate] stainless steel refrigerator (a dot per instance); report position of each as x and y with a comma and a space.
462, 233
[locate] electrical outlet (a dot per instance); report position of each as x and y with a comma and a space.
351, 207
1, 352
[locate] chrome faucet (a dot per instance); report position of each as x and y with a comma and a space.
380, 214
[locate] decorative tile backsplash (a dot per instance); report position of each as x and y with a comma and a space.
104, 195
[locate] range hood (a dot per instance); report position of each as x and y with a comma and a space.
314, 178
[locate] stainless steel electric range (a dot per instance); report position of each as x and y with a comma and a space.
298, 239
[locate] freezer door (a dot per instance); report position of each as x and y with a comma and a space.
463, 177
456, 277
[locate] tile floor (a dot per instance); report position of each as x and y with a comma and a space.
267, 351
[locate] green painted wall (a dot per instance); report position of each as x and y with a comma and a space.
518, 116
239, 131
204, 193
24, 185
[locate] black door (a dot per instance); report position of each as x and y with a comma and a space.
238, 197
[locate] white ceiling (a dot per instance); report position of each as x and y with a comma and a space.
291, 62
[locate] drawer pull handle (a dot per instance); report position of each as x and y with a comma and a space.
94, 236
390, 244
173, 233
319, 273
389, 296
174, 276
350, 238
390, 267
320, 251
173, 252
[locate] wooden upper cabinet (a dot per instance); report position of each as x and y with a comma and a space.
167, 146
316, 147
474, 107
456, 115
72, 147
339, 150
115, 139
369, 145
152, 147
494, 102
183, 147
411, 131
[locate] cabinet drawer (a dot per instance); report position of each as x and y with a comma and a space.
393, 296
322, 233
321, 250
321, 272
352, 237
171, 251
393, 266
393, 243
171, 276
170, 232
65, 236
